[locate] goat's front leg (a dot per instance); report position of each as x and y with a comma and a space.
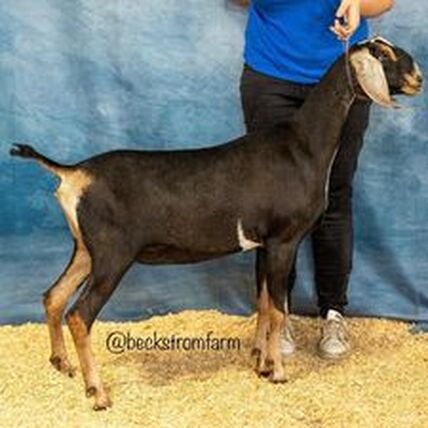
263, 324
279, 260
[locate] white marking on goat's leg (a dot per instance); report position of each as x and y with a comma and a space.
244, 243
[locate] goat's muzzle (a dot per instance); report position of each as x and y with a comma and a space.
413, 81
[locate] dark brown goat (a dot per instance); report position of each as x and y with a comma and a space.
264, 190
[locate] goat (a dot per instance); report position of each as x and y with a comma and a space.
265, 190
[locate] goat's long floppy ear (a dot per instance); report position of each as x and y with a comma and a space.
371, 77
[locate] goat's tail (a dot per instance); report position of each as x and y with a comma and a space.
28, 152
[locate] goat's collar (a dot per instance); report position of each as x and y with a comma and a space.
377, 39
348, 70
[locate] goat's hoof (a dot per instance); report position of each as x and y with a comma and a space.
102, 400
264, 368
265, 372
62, 365
277, 378
261, 368
102, 404
70, 372
98, 407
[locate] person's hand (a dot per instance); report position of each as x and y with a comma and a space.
347, 19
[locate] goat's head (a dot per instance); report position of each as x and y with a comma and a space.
383, 70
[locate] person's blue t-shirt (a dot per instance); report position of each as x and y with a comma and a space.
291, 39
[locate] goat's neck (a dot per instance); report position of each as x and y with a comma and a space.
322, 116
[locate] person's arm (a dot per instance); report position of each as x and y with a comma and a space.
375, 8
351, 11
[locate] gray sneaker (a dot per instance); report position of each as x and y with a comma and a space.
334, 343
287, 341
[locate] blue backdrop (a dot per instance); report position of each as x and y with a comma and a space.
80, 77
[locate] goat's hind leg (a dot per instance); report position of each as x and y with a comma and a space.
263, 324
103, 280
55, 300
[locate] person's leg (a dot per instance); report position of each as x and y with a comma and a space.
333, 239
267, 102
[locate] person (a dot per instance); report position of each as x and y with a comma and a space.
289, 45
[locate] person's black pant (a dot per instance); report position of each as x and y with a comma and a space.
267, 101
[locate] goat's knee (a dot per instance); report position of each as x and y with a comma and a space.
54, 303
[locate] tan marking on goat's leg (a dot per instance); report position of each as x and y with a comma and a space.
73, 185
262, 331
277, 322
93, 383
55, 301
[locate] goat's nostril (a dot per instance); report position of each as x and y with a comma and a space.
419, 78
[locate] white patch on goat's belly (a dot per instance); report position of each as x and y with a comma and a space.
244, 243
